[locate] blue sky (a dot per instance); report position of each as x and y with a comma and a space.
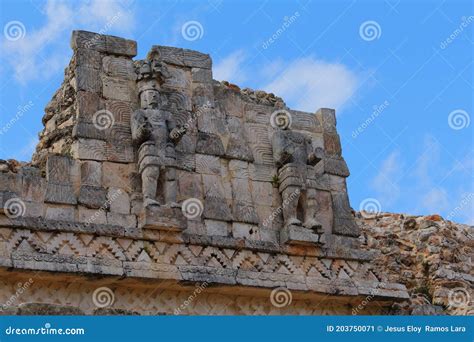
399, 74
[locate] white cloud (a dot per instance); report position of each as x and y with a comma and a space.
385, 183
308, 84
230, 68
45, 51
305, 83
435, 201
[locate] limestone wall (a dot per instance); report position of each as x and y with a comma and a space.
79, 208
432, 256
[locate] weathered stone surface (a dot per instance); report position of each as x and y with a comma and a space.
270, 205
245, 231
89, 149
298, 235
93, 196
117, 89
119, 201
58, 175
162, 218
119, 67
62, 213
219, 228
91, 173
87, 79
208, 143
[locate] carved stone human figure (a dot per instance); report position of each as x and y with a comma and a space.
154, 131
296, 158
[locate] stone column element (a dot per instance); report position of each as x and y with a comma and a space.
297, 177
155, 134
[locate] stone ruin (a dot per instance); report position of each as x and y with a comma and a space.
155, 189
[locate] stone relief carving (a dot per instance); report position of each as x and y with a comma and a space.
296, 159
154, 132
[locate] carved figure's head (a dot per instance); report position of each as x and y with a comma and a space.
150, 99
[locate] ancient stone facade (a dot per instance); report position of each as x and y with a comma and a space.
155, 184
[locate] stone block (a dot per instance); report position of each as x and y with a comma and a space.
122, 220
269, 235
332, 144
208, 164
344, 223
59, 187
245, 231
296, 235
262, 192
92, 216
189, 185
177, 101
328, 118
87, 130
336, 166
303, 121
219, 228
216, 208
88, 41
324, 214
60, 213
208, 143
33, 186
186, 161
120, 46
117, 175
119, 67
118, 89
201, 75
244, 212
93, 197
180, 78
88, 58
87, 79
119, 201
121, 111
239, 169
89, 149
337, 183
241, 190
182, 57
87, 104
91, 173
203, 95
121, 153
162, 218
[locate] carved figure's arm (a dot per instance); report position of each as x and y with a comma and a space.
141, 128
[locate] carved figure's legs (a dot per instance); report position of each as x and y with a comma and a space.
290, 197
149, 184
311, 208
171, 187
